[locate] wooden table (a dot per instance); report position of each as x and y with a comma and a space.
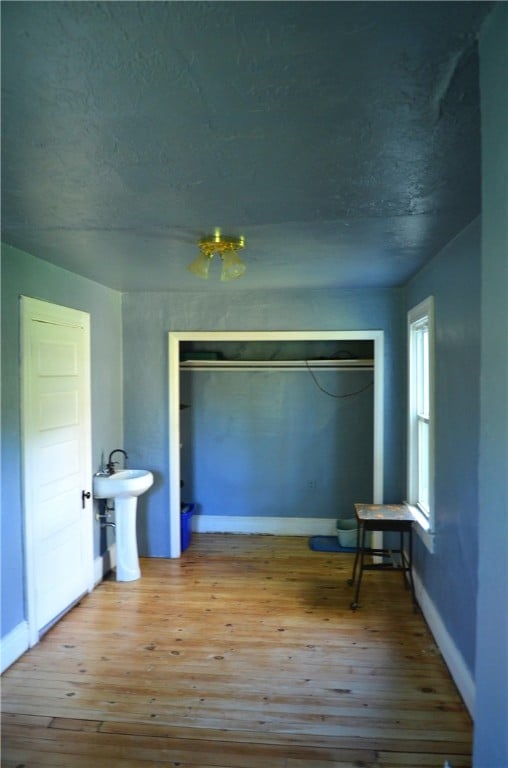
385, 518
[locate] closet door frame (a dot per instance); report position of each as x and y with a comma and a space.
175, 338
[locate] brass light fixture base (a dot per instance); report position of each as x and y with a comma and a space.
218, 243
227, 248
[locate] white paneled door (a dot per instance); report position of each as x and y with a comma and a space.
56, 459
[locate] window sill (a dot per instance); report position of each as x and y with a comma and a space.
423, 529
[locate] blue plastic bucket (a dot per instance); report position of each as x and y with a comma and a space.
186, 525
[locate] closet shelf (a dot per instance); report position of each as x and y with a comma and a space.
279, 365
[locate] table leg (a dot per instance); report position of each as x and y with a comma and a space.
403, 563
351, 581
415, 604
354, 604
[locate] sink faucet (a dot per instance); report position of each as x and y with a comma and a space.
110, 466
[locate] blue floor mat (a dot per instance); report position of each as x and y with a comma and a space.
328, 544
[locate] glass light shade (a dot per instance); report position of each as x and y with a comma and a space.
232, 266
200, 266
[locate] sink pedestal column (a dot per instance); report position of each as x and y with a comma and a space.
124, 487
127, 562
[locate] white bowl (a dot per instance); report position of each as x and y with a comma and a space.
122, 484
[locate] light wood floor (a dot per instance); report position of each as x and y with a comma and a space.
243, 653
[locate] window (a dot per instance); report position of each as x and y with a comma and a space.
421, 412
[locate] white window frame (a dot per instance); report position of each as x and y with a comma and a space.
421, 418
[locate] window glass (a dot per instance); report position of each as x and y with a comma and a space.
420, 411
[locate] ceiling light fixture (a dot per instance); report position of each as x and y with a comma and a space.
227, 248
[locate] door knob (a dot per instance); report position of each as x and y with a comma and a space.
84, 495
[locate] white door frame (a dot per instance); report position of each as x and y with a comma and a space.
174, 339
36, 309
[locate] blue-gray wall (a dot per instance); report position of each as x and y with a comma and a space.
272, 443
450, 573
147, 319
491, 711
22, 274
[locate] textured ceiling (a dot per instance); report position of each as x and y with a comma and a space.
341, 139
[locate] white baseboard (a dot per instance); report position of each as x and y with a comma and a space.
104, 563
277, 526
453, 658
13, 645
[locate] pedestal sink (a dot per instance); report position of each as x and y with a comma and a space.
124, 487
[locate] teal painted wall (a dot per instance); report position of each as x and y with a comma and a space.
149, 317
491, 715
23, 274
450, 573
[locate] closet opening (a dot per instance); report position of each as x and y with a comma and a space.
272, 411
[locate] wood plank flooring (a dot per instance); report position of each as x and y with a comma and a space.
244, 653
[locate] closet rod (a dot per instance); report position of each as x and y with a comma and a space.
280, 365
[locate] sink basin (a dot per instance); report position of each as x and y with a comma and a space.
123, 484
